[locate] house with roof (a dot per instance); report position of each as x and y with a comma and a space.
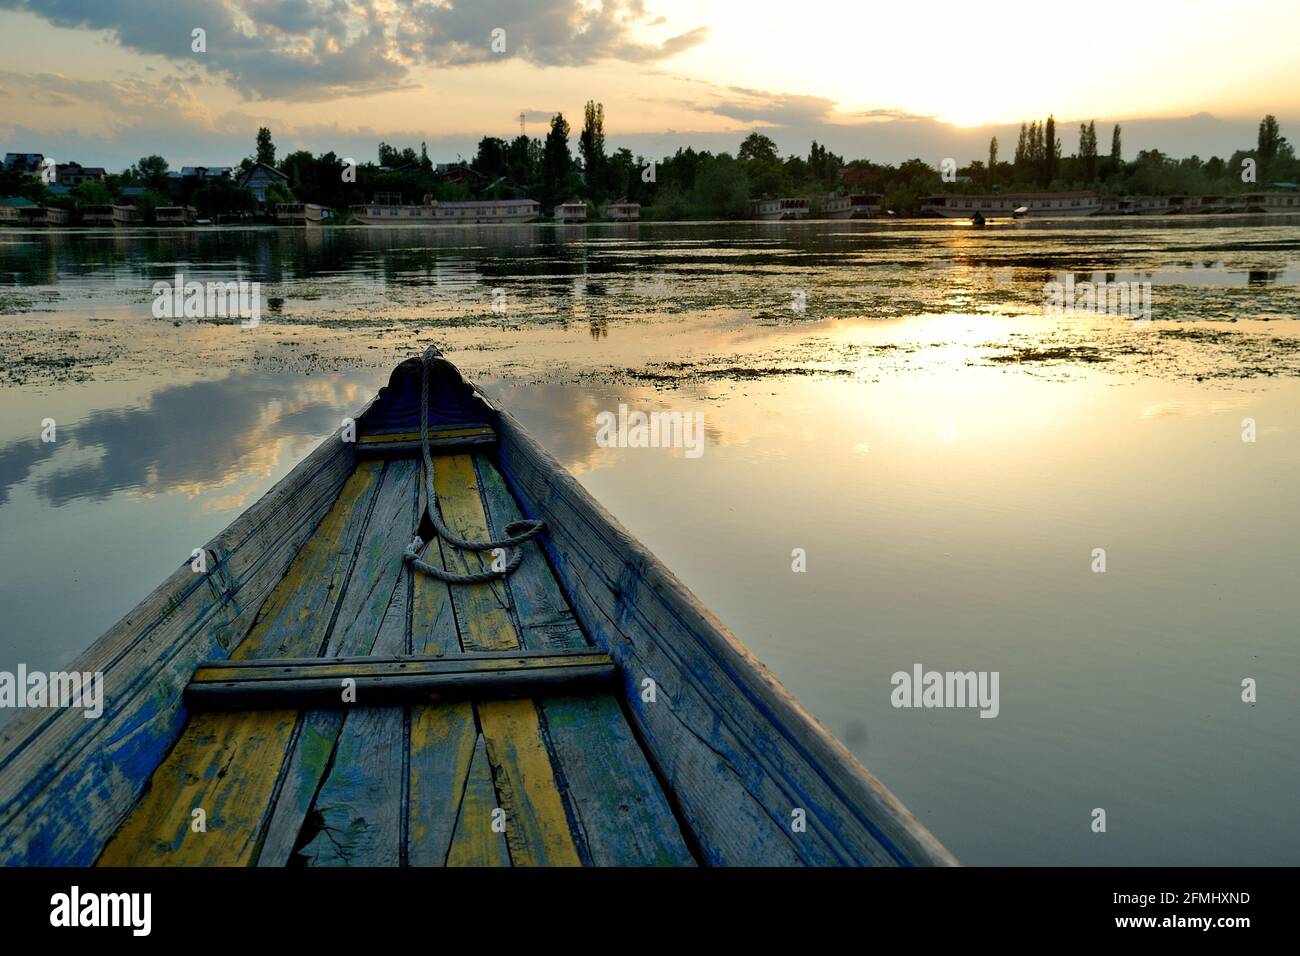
24, 162
74, 174
260, 177
461, 173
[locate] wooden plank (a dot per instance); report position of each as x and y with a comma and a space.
737, 750
295, 621
275, 669
442, 736
58, 806
620, 806
359, 807
303, 770
475, 842
537, 828
357, 810
393, 689
218, 766
461, 431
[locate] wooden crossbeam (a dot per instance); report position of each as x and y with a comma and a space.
442, 441
320, 682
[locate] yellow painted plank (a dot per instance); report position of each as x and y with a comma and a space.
537, 828
294, 619
482, 610
393, 667
476, 842
224, 765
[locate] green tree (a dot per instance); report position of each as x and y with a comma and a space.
756, 146
993, 159
1051, 152
150, 171
1115, 151
265, 148
490, 160
557, 161
591, 143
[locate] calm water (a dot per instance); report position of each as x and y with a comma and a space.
891, 399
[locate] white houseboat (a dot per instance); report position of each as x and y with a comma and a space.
859, 206
471, 212
1273, 202
1002, 205
1143, 205
299, 214
623, 211
573, 211
778, 209
108, 215
174, 215
42, 216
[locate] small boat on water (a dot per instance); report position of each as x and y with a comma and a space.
309, 688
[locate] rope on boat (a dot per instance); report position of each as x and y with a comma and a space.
517, 532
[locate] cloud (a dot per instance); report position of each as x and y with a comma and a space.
317, 49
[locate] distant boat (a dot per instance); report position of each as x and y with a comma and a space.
977, 219
1020, 212
299, 214
525, 700
106, 214
572, 211
779, 209
858, 206
621, 210
432, 212
1043, 205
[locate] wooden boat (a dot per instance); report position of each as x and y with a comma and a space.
586, 704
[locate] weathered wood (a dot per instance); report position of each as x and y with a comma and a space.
296, 618
618, 802
359, 807
537, 830
391, 681
739, 753
66, 783
218, 768
442, 736
476, 843
442, 441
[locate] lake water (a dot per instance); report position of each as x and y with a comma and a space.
893, 399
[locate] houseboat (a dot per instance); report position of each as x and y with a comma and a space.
777, 209
108, 215
623, 211
1143, 205
42, 216
572, 212
174, 215
860, 206
1272, 202
1003, 205
299, 214
472, 212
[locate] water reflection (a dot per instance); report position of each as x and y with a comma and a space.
189, 438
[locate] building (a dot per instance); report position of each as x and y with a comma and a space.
260, 177
1004, 205
108, 215
74, 174
25, 162
471, 212
621, 210
857, 206
461, 173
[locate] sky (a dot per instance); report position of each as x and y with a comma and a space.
103, 82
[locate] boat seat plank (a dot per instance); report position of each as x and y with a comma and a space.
406, 443
396, 680
616, 797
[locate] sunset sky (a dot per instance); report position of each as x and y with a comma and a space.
105, 81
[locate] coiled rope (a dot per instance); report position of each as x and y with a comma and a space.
517, 532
